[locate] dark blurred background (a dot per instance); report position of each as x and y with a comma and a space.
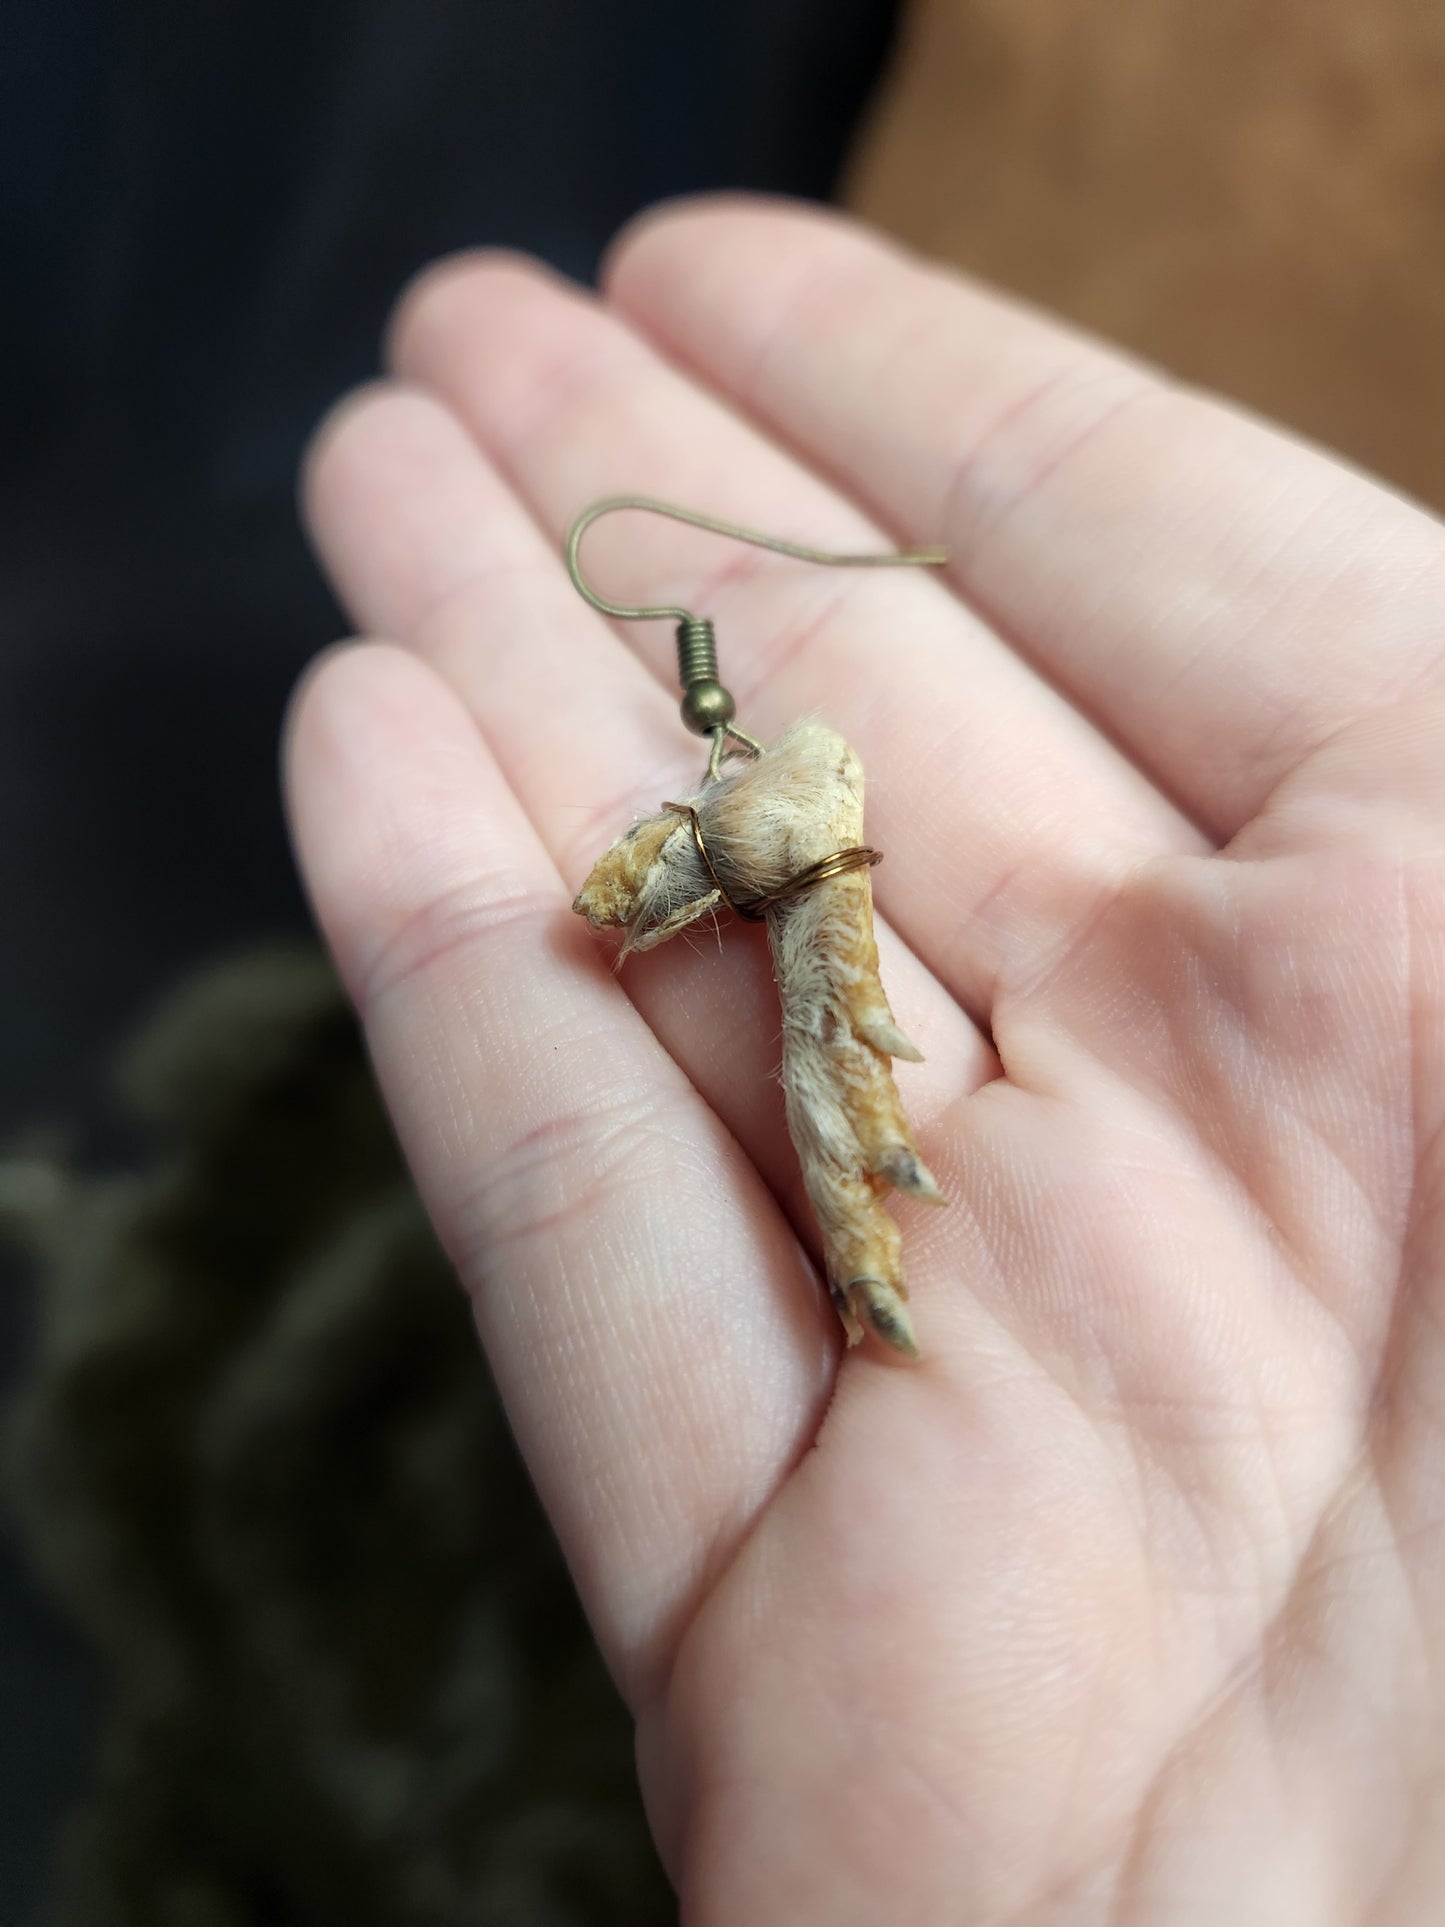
207, 211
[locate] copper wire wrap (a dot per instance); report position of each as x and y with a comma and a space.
754, 909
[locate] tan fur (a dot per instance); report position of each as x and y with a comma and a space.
762, 825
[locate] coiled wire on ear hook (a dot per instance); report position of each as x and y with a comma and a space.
707, 707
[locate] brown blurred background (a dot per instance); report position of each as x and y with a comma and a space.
1251, 192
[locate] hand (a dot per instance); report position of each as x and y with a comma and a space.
1128, 1604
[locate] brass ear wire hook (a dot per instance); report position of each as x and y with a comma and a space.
707, 707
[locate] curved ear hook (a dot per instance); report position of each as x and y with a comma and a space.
708, 708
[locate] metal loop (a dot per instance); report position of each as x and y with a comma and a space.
859, 857
754, 909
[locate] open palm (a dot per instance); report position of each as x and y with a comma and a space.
1128, 1604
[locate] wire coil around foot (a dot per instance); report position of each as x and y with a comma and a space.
755, 909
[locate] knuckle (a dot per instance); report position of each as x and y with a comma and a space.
440, 936
568, 1170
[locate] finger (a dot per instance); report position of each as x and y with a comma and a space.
1220, 597
421, 536
981, 875
649, 1316
425, 542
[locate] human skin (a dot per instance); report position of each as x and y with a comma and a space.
1127, 1604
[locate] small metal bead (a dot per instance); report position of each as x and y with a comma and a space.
707, 706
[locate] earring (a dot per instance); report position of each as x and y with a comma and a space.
777, 837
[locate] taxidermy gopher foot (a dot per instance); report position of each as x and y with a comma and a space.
742, 842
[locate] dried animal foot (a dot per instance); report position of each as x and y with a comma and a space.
742, 840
